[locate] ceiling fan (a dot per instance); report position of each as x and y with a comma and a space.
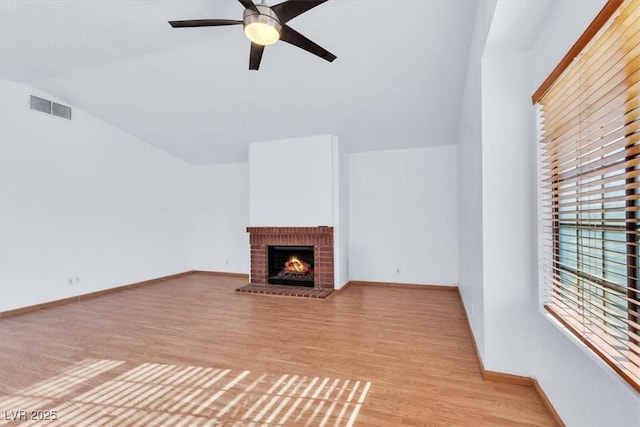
265, 25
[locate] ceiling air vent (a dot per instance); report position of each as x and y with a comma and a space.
46, 106
61, 111
40, 104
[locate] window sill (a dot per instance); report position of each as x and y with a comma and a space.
592, 355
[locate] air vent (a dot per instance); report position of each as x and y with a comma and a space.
40, 104
46, 106
61, 111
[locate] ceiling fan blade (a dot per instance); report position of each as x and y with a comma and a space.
256, 56
288, 10
291, 36
203, 23
248, 4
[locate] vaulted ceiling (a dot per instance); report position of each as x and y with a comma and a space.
398, 81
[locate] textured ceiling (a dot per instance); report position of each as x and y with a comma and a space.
398, 81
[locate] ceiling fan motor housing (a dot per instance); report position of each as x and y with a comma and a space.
264, 16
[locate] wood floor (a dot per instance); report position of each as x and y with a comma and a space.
190, 351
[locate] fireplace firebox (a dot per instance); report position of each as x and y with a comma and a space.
319, 238
291, 265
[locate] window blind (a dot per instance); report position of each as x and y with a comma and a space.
589, 187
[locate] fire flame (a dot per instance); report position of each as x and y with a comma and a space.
296, 265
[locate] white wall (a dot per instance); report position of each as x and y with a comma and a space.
514, 335
508, 212
221, 241
403, 212
291, 182
81, 198
340, 213
469, 191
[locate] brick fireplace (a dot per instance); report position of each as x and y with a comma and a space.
320, 238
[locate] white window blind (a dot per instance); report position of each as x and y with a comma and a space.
590, 168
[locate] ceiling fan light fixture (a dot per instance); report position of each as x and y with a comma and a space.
262, 28
261, 33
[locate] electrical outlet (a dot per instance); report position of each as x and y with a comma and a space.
77, 279
226, 261
398, 270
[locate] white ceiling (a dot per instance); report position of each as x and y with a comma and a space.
398, 81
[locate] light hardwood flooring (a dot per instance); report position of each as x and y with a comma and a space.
190, 351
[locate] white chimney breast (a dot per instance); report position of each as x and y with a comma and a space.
291, 182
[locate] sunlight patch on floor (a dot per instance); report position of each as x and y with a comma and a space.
160, 394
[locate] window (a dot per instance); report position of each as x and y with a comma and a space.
590, 187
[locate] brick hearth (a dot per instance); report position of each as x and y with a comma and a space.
321, 238
286, 291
